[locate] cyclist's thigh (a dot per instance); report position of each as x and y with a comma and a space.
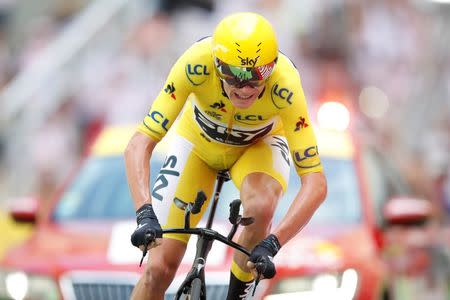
182, 175
270, 156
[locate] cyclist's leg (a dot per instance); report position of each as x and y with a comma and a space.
262, 174
182, 175
160, 270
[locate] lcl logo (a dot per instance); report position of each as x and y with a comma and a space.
196, 74
281, 97
197, 70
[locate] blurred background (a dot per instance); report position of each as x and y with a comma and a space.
68, 68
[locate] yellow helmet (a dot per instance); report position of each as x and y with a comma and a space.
245, 40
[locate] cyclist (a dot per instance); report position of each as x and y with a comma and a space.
245, 109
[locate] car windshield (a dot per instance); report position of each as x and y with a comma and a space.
100, 192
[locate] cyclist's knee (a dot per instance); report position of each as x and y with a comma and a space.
263, 213
260, 194
159, 275
163, 264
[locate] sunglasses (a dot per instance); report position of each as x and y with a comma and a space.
243, 76
242, 83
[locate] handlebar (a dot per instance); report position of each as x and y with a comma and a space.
207, 233
235, 219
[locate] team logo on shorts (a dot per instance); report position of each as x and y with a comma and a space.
167, 170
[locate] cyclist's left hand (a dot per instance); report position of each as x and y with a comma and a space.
260, 260
147, 223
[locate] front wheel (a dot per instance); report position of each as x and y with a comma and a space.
196, 289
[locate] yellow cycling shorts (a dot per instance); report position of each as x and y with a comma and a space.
184, 173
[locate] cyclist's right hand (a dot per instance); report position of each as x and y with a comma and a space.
260, 259
148, 228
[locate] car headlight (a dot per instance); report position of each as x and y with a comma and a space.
19, 285
340, 286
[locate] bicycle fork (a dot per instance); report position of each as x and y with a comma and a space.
204, 244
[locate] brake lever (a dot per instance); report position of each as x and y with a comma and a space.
149, 237
257, 279
144, 253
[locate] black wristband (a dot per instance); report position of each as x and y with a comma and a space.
145, 212
272, 244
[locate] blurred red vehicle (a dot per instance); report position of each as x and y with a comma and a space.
80, 249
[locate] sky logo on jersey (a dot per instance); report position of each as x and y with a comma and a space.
232, 136
281, 97
301, 124
196, 73
306, 158
170, 89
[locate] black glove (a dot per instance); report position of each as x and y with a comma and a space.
263, 254
147, 223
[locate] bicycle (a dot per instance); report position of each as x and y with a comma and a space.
194, 284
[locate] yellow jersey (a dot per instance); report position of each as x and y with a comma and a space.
210, 121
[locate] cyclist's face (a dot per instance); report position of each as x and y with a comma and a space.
242, 97
243, 84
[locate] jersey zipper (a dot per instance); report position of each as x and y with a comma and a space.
230, 123
229, 128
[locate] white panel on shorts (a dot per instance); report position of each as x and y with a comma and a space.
163, 191
280, 154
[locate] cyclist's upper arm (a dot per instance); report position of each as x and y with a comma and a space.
172, 96
298, 128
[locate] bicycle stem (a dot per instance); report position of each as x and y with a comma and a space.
221, 178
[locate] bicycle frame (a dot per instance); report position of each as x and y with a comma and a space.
206, 236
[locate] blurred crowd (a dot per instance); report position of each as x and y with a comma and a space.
386, 60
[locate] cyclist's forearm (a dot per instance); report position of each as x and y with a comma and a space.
308, 199
137, 164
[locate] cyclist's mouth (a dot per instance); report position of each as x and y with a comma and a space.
244, 97
243, 101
